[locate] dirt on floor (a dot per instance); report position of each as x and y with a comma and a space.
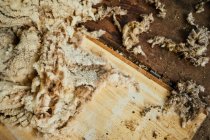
170, 67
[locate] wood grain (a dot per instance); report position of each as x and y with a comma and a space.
114, 112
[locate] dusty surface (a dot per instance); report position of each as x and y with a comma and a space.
175, 26
186, 101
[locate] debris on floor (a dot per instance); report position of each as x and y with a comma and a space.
191, 19
200, 6
132, 31
43, 70
138, 50
186, 101
116, 22
194, 49
159, 6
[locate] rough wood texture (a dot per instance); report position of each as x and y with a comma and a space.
114, 112
174, 26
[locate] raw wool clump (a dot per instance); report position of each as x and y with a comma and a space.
138, 50
162, 42
11, 104
191, 20
116, 23
133, 29
103, 12
55, 75
93, 34
17, 65
59, 75
197, 43
186, 101
46, 15
159, 6
200, 6
131, 34
63, 70
7, 38
193, 50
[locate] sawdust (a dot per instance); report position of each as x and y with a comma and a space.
194, 49
45, 76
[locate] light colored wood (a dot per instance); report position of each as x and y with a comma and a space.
114, 112
107, 52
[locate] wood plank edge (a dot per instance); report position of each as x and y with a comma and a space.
125, 60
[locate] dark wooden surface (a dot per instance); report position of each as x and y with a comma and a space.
169, 66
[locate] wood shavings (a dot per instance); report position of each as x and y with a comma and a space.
159, 6
193, 50
133, 29
186, 101
200, 6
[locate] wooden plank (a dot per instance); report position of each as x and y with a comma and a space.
114, 112
95, 46
5, 133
